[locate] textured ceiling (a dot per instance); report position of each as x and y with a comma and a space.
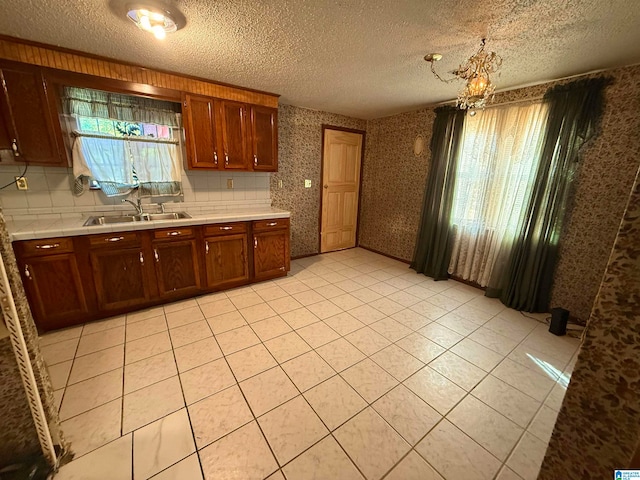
356, 57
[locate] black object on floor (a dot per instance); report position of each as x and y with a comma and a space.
559, 319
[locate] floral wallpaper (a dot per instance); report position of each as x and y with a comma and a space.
597, 427
300, 158
18, 435
394, 180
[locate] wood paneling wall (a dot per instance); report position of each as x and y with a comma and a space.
77, 62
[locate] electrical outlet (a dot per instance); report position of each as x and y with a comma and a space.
229, 183
307, 184
21, 183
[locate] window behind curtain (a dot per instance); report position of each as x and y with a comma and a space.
494, 177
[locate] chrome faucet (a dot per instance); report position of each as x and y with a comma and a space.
137, 205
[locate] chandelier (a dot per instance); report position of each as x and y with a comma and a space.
476, 71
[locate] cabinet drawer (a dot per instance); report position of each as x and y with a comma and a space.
113, 239
225, 228
272, 224
47, 246
169, 233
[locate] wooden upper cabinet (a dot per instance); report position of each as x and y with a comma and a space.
264, 138
228, 135
200, 115
29, 116
235, 136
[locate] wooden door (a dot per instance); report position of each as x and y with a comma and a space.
342, 156
264, 138
201, 134
177, 268
55, 290
226, 259
270, 253
26, 107
121, 277
234, 136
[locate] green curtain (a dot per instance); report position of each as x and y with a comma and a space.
526, 280
433, 245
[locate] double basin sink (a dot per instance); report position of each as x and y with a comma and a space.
143, 217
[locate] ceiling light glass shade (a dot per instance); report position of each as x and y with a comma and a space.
157, 19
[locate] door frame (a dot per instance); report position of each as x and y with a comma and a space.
364, 139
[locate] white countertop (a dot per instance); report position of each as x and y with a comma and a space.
32, 229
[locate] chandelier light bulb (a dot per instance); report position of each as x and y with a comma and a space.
475, 71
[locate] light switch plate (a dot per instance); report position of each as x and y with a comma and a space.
279, 183
21, 183
229, 183
307, 184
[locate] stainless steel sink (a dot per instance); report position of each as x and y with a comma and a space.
144, 217
163, 216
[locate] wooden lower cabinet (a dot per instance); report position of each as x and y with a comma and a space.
270, 248
120, 277
55, 290
71, 280
177, 269
226, 260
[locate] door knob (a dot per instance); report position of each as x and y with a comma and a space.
326, 186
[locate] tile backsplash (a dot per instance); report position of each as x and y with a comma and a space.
50, 192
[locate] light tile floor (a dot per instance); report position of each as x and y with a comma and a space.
351, 367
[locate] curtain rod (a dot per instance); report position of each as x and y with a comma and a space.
126, 137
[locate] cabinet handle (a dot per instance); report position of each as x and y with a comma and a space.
206, 247
255, 243
215, 158
113, 239
255, 160
27, 272
282, 268
14, 147
272, 224
155, 254
226, 228
226, 158
174, 233
48, 246
141, 258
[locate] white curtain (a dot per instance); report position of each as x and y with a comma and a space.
107, 161
157, 167
120, 165
494, 177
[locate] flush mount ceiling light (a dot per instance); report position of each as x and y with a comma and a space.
475, 71
155, 17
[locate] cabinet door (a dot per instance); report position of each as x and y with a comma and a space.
270, 253
201, 132
264, 138
226, 259
234, 134
177, 268
120, 277
55, 291
27, 116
